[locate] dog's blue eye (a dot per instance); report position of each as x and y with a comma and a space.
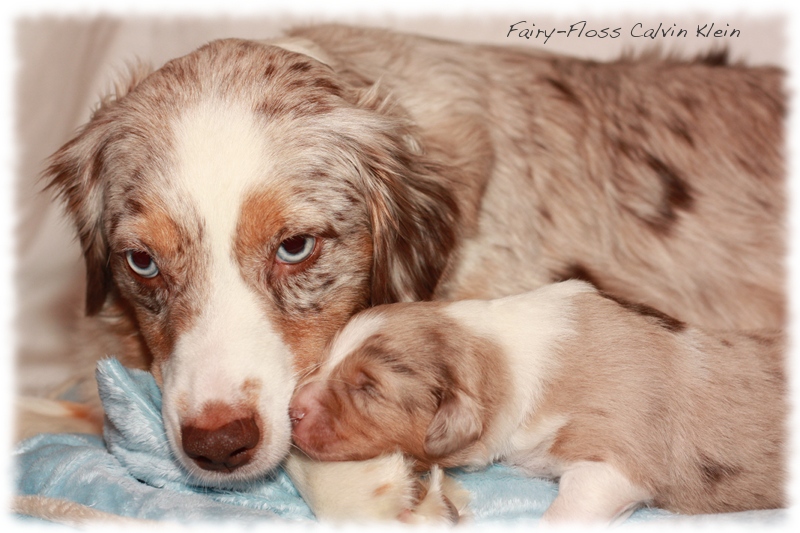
296, 249
141, 263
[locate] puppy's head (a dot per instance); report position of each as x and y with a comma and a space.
241, 203
397, 378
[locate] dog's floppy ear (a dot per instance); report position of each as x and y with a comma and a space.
456, 424
413, 232
75, 172
413, 214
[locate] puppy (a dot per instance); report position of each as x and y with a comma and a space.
626, 405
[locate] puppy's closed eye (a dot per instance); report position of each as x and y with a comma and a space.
365, 383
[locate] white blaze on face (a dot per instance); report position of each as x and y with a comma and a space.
221, 156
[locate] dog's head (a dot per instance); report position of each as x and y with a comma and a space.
402, 377
243, 202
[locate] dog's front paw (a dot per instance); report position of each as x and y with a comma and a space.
385, 488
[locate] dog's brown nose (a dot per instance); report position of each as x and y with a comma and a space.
224, 448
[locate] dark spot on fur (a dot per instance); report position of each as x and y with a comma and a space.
113, 223
691, 103
678, 192
679, 128
352, 199
328, 85
763, 340
624, 148
726, 343
566, 93
446, 377
576, 271
400, 368
434, 338
713, 472
134, 206
271, 108
714, 58
662, 319
749, 166
326, 283
299, 67
641, 111
677, 195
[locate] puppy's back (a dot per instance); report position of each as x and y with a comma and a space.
696, 417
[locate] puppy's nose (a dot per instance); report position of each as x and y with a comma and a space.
305, 402
224, 448
296, 414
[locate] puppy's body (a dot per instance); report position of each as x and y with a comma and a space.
625, 404
279, 188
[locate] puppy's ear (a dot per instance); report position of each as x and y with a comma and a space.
413, 214
75, 173
456, 424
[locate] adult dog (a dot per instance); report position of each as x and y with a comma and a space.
239, 204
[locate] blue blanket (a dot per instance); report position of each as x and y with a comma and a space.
131, 471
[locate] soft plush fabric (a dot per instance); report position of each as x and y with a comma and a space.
131, 472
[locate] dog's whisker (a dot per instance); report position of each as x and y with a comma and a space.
302, 374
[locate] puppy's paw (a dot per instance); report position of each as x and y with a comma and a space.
440, 500
354, 491
381, 489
